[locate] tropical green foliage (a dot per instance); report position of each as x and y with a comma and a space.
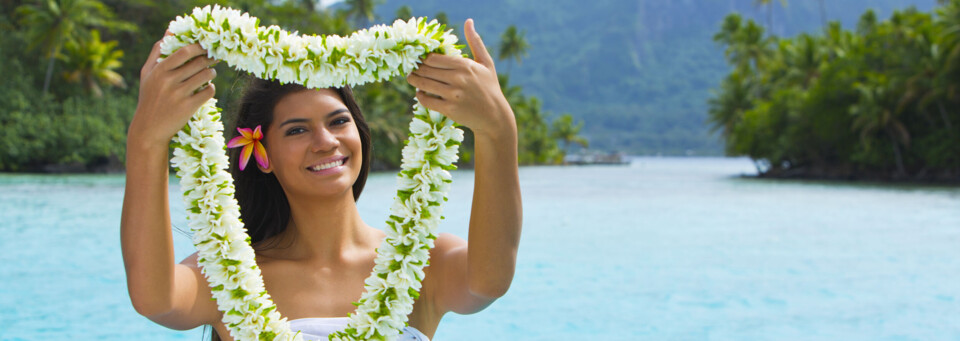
567, 132
513, 45
638, 73
93, 62
78, 133
50, 24
361, 11
880, 102
534, 134
78, 122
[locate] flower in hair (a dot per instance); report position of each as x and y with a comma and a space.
249, 139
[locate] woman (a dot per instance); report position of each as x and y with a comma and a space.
299, 205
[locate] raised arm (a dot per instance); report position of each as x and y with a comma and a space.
468, 92
168, 293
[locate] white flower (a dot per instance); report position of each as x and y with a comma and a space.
170, 44
400, 208
412, 156
250, 43
229, 41
405, 183
286, 74
419, 127
449, 132
447, 155
182, 25
401, 304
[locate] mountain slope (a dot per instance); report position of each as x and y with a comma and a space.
638, 73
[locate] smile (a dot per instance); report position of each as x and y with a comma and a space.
329, 165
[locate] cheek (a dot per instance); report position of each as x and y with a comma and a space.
356, 147
281, 154
356, 144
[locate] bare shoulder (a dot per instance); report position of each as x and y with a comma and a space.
442, 255
448, 286
447, 250
206, 307
448, 241
192, 261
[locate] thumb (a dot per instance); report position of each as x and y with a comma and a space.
480, 53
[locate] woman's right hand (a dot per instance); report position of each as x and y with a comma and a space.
170, 92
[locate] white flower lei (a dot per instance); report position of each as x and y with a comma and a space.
225, 255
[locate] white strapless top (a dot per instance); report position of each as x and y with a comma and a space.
317, 328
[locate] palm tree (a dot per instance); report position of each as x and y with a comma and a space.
513, 45
93, 62
727, 107
930, 87
747, 48
949, 42
769, 5
803, 60
362, 11
442, 18
445, 21
872, 116
567, 132
404, 12
52, 23
309, 5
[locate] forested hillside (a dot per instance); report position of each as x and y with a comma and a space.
71, 71
637, 73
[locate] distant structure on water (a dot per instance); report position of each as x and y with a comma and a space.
596, 158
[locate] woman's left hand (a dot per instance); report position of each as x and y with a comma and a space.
465, 90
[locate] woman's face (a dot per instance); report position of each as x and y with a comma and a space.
313, 144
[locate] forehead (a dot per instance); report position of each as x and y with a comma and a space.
307, 103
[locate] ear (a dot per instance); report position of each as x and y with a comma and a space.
265, 170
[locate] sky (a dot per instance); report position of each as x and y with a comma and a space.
326, 3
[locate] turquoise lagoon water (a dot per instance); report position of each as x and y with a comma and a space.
663, 249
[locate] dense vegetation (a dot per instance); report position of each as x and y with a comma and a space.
71, 70
877, 102
637, 73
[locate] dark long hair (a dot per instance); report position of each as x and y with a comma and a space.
264, 209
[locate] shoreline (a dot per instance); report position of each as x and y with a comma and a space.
846, 176
936, 179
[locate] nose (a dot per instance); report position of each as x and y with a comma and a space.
324, 141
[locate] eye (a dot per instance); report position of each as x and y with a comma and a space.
341, 121
295, 131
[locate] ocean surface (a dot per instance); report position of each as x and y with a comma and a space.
661, 249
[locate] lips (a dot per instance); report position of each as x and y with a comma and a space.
328, 164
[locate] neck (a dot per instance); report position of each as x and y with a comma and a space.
327, 230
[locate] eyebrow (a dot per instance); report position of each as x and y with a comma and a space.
301, 120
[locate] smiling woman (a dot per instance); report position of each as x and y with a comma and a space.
260, 194
311, 250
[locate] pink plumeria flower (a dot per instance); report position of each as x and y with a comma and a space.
250, 141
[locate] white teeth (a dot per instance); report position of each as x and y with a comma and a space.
327, 165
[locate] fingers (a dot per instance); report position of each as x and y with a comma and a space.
197, 80
480, 53
203, 94
182, 56
441, 75
441, 61
431, 102
432, 86
192, 67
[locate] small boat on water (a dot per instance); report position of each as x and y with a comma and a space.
596, 158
